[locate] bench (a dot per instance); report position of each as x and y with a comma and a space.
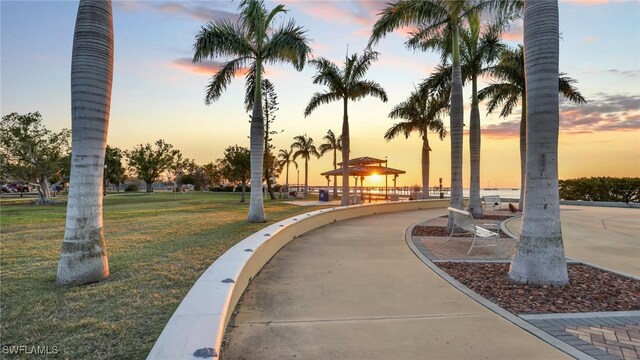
492, 200
464, 220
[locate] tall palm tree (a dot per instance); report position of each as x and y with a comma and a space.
251, 42
345, 84
511, 89
539, 256
84, 252
305, 147
285, 159
332, 143
478, 49
434, 17
420, 113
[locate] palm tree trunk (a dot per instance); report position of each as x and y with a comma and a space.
286, 186
305, 191
345, 155
539, 256
425, 163
84, 252
474, 206
256, 201
456, 123
335, 177
523, 150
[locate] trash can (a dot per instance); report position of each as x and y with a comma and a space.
324, 195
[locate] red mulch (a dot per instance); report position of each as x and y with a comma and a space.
589, 290
441, 231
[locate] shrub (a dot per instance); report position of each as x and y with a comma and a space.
131, 188
601, 189
229, 188
277, 188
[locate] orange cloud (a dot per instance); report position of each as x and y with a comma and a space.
203, 67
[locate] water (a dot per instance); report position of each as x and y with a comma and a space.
503, 193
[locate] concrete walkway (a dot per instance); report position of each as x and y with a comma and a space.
603, 236
354, 290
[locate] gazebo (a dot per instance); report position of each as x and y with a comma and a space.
367, 166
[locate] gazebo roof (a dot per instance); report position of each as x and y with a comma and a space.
365, 160
366, 171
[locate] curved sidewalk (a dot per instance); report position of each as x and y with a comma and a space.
354, 290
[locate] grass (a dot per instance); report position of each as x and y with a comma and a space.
157, 248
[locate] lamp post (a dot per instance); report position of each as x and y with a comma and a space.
386, 184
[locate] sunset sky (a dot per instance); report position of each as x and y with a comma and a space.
158, 93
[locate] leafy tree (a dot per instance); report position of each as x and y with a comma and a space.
116, 173
334, 144
510, 89
235, 166
251, 42
285, 158
306, 149
177, 169
30, 152
150, 163
212, 174
343, 85
420, 113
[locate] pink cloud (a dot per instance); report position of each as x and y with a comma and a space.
203, 68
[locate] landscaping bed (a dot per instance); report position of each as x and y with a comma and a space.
589, 290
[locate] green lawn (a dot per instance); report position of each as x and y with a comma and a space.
157, 248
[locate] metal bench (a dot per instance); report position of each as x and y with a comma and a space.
492, 200
464, 220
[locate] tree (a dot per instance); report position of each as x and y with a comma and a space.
235, 166
149, 163
212, 175
539, 256
479, 47
511, 89
343, 85
305, 149
30, 152
251, 42
84, 252
435, 17
177, 169
332, 143
285, 159
115, 171
420, 113
270, 107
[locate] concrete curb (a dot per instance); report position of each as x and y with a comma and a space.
600, 203
558, 344
196, 328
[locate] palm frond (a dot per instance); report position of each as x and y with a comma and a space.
287, 44
250, 86
499, 94
365, 88
569, 91
319, 99
405, 128
327, 74
222, 39
254, 18
361, 65
407, 12
222, 78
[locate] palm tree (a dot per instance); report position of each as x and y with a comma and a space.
345, 84
84, 252
478, 49
539, 256
420, 112
435, 17
305, 147
332, 143
511, 89
285, 159
251, 42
